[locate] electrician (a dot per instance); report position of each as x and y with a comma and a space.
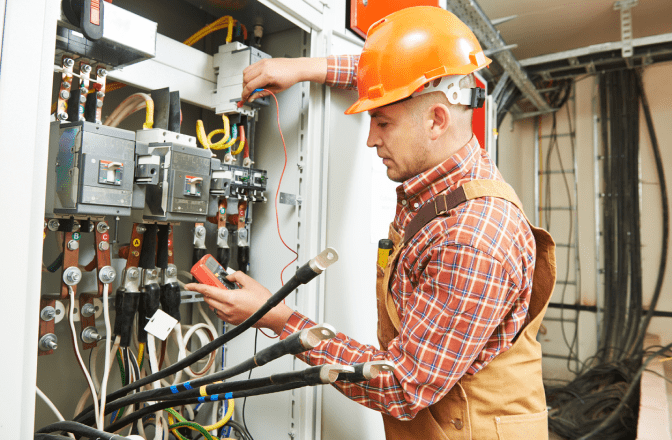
458, 311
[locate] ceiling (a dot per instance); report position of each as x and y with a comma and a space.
549, 26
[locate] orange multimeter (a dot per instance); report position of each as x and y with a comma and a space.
209, 271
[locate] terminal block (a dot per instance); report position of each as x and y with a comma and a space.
234, 182
90, 171
183, 173
229, 64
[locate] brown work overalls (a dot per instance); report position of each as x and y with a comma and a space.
505, 400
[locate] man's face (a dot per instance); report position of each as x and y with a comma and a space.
399, 138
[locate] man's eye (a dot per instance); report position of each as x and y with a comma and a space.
382, 124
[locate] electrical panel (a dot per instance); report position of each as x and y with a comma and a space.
90, 170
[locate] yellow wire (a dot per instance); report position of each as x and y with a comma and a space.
141, 352
206, 141
149, 114
229, 35
200, 134
225, 419
240, 147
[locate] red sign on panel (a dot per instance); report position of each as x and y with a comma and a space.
363, 13
95, 12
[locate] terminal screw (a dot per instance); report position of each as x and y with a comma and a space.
86, 68
90, 335
65, 94
62, 116
73, 245
171, 271
72, 276
69, 62
107, 274
102, 227
48, 342
101, 72
140, 229
133, 273
200, 231
48, 313
88, 309
103, 246
53, 225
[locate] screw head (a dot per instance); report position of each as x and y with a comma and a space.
72, 276
87, 310
100, 95
103, 245
82, 98
102, 227
86, 68
140, 229
69, 62
65, 94
73, 245
65, 85
48, 313
62, 116
101, 72
133, 274
171, 271
200, 231
53, 224
99, 103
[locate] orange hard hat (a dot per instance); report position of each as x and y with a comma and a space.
410, 48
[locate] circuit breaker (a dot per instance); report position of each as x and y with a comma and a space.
182, 190
229, 64
91, 169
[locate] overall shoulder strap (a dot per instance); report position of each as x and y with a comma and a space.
445, 202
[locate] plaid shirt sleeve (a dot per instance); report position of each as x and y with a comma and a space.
462, 295
342, 71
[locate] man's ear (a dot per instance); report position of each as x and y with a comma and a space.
440, 120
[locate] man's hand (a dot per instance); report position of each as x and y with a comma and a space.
278, 74
235, 306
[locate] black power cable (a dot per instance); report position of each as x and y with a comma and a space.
602, 401
303, 275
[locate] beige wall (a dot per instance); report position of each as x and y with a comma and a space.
516, 161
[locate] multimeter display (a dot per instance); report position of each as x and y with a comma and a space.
209, 271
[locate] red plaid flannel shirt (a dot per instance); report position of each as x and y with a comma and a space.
342, 71
462, 288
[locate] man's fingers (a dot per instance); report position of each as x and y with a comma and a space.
241, 278
205, 290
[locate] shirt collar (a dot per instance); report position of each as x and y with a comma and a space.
428, 184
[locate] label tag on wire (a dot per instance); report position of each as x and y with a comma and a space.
160, 325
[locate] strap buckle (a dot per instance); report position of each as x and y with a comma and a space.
437, 208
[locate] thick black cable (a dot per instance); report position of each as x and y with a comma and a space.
291, 345
131, 418
241, 429
249, 376
50, 437
303, 275
79, 429
666, 214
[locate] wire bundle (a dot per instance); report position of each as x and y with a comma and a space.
602, 401
130, 105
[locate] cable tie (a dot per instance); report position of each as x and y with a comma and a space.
187, 386
202, 390
214, 397
173, 389
201, 399
228, 396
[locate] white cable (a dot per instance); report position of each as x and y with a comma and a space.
79, 356
108, 357
51, 406
154, 367
195, 329
181, 350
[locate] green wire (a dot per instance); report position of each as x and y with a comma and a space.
122, 373
184, 423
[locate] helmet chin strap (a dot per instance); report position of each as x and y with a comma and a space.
450, 86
